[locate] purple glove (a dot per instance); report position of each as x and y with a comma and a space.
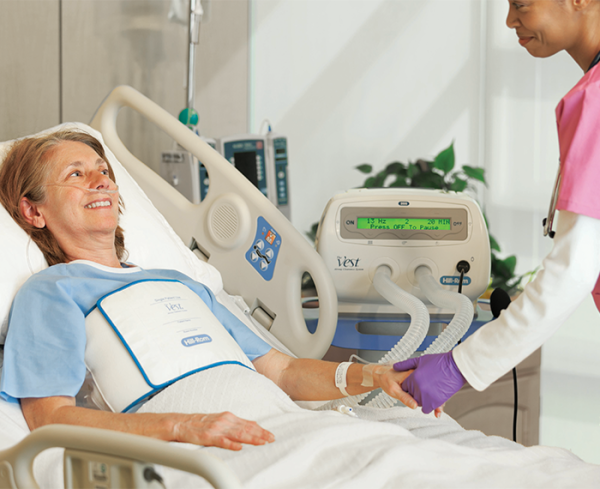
435, 380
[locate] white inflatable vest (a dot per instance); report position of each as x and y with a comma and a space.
149, 334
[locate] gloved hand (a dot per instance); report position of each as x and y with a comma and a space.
435, 380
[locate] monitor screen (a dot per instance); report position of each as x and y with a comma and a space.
245, 162
423, 224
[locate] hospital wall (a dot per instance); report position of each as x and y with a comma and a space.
60, 58
352, 82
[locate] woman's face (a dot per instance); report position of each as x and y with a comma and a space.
544, 27
70, 211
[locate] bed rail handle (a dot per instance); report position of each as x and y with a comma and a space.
225, 183
126, 445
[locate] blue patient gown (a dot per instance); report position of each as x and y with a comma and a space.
45, 344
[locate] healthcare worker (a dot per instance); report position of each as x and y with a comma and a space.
571, 270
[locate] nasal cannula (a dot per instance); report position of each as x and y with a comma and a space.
90, 190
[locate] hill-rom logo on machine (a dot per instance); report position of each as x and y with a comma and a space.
346, 263
196, 340
452, 280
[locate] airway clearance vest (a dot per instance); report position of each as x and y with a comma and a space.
149, 334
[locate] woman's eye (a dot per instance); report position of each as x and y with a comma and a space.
105, 172
75, 174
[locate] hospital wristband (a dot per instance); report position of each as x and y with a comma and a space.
340, 377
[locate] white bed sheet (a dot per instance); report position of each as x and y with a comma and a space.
381, 449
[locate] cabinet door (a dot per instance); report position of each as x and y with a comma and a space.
491, 411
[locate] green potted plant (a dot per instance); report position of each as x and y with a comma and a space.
440, 173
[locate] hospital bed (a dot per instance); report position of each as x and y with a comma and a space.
164, 230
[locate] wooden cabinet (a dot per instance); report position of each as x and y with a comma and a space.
491, 411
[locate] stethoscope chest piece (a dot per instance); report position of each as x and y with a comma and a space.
549, 221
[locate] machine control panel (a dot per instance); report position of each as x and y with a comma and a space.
404, 223
264, 251
281, 163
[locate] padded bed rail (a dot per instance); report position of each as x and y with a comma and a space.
226, 226
16, 463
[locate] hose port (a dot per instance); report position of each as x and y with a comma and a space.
463, 266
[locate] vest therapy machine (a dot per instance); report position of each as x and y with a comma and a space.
393, 252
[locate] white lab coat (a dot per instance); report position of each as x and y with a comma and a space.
570, 272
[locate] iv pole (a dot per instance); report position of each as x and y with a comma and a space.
189, 116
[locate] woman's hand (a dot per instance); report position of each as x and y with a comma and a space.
436, 379
222, 430
391, 383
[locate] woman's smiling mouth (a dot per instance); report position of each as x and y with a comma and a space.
524, 40
103, 203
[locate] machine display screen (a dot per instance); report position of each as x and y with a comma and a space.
245, 162
423, 224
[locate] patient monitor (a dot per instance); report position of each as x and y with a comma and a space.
264, 161
185, 173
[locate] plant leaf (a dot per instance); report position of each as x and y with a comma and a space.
511, 263
458, 185
400, 182
444, 161
312, 234
364, 168
494, 244
380, 179
428, 180
369, 182
412, 170
475, 173
395, 168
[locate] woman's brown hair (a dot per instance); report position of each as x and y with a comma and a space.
24, 173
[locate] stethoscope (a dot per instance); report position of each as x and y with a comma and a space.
548, 221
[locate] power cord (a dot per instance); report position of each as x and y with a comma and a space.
500, 300
462, 267
516, 407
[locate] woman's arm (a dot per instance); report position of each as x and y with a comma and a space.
570, 272
305, 379
223, 430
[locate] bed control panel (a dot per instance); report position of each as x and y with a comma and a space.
264, 251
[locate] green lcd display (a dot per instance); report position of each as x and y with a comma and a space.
393, 224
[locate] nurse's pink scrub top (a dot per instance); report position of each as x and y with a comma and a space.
578, 121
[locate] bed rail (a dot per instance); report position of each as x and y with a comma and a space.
224, 226
16, 463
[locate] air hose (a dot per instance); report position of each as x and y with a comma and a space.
417, 330
459, 325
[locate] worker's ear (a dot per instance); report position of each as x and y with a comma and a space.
31, 213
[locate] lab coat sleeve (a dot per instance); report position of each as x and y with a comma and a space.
569, 273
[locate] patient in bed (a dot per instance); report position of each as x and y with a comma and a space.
61, 190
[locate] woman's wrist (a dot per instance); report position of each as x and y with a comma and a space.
364, 378
376, 371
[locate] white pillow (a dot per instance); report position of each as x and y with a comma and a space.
149, 239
